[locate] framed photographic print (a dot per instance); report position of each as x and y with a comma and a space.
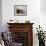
20, 10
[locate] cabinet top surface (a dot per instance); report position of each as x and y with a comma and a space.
19, 23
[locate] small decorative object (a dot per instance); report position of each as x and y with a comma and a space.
13, 21
41, 36
20, 10
27, 21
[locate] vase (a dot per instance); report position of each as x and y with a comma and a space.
41, 43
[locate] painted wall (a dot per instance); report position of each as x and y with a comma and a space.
33, 11
34, 14
43, 14
0, 15
43, 6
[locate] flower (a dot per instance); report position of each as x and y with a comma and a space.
40, 33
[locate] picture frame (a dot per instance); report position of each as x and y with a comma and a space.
20, 10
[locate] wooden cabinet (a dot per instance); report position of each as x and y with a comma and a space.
22, 33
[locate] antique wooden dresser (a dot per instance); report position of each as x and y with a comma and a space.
22, 33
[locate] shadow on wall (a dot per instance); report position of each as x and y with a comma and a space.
0, 15
43, 6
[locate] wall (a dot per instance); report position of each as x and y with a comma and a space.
0, 15
33, 10
34, 14
43, 6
